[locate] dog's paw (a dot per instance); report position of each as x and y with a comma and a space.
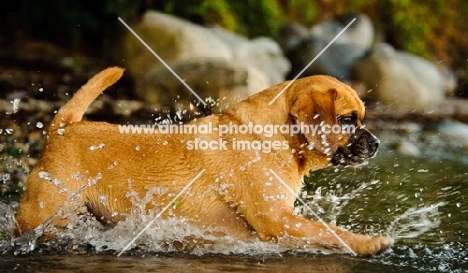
371, 245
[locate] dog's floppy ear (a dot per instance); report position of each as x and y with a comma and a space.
313, 110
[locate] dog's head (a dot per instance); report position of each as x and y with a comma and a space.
333, 113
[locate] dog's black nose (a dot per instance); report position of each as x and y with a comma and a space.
373, 143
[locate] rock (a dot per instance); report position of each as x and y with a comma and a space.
291, 35
180, 42
454, 132
401, 79
171, 39
360, 32
263, 53
450, 79
207, 77
266, 56
408, 148
301, 47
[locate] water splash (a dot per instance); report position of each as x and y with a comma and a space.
170, 234
7, 222
415, 222
330, 203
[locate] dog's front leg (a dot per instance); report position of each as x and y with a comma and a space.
270, 214
296, 231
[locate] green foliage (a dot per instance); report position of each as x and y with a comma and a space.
258, 17
433, 29
303, 11
250, 18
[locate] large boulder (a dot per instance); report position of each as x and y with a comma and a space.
263, 53
179, 42
302, 45
171, 39
453, 132
216, 81
402, 79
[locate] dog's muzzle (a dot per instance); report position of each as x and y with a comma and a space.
362, 145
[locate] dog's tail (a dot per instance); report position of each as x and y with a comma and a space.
75, 108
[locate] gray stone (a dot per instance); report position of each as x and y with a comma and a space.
259, 63
360, 32
171, 39
456, 133
408, 148
302, 47
212, 79
263, 53
401, 79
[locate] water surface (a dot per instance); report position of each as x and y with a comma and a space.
420, 202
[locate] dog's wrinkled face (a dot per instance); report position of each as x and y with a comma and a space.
338, 113
362, 145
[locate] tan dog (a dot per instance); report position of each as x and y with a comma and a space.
240, 192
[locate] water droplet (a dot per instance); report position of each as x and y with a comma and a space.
102, 198
137, 148
92, 147
77, 176
6, 177
44, 175
41, 205
57, 182
41, 89
39, 125
458, 205
9, 131
61, 131
93, 180
165, 143
15, 103
102, 145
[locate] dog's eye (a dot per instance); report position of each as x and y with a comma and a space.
347, 120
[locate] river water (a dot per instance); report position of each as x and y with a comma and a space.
420, 201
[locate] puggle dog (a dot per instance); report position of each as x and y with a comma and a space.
241, 192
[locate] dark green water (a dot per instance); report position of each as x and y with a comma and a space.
421, 202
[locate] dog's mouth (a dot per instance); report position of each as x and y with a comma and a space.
361, 146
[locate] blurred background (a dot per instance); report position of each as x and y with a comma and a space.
435, 30
432, 29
